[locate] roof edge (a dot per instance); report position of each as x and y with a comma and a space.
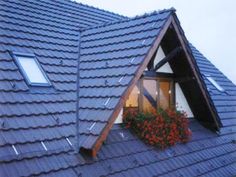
129, 19
96, 8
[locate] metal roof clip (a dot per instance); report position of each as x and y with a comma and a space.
143, 41
131, 61
105, 104
13, 85
110, 168
2, 123
57, 120
15, 150
44, 146
106, 82
107, 63
121, 79
91, 127
122, 135
69, 142
135, 161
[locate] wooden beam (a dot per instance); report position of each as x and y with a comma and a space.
184, 79
157, 74
130, 87
168, 57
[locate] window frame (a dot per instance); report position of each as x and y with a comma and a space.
158, 79
15, 55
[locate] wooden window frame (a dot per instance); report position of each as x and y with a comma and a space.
159, 77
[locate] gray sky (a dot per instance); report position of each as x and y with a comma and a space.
210, 25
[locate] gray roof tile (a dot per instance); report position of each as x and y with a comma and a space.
50, 30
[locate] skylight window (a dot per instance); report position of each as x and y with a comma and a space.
213, 82
31, 70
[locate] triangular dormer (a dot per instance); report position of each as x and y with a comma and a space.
136, 58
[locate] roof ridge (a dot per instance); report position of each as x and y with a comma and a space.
96, 8
155, 12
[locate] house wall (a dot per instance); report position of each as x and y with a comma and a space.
159, 56
181, 101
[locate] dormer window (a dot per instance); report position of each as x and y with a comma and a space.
213, 82
31, 69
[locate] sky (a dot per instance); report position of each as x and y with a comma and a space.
210, 25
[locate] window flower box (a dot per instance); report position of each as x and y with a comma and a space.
162, 129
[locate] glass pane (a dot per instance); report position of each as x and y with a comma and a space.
149, 95
215, 84
132, 100
32, 70
165, 93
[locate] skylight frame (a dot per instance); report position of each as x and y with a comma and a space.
215, 83
16, 56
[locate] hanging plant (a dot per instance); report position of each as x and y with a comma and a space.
163, 128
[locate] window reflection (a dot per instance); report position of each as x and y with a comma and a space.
149, 95
154, 94
132, 100
165, 91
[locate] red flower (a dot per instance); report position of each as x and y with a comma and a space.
162, 129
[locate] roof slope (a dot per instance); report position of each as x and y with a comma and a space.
224, 102
63, 14
124, 155
29, 115
110, 57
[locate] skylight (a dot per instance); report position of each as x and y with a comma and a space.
31, 70
213, 82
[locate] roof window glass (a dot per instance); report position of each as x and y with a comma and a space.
213, 82
31, 70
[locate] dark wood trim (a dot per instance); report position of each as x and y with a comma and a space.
150, 65
195, 70
173, 96
169, 56
141, 95
184, 79
126, 93
157, 74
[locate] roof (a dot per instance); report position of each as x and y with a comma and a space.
110, 56
57, 32
224, 102
206, 155
52, 34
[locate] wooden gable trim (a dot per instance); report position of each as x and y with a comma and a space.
138, 74
196, 71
